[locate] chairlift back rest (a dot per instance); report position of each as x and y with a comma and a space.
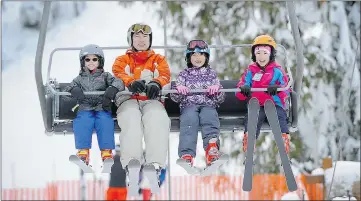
231, 112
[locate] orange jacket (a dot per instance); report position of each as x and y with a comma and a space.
145, 65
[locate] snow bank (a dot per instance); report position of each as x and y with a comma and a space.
344, 198
318, 171
290, 196
346, 173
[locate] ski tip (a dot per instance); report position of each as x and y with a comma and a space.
269, 102
106, 171
148, 167
244, 188
108, 160
292, 189
180, 161
89, 171
224, 156
134, 162
254, 100
73, 157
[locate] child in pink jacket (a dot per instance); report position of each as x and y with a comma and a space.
264, 72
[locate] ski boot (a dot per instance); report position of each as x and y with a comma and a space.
106, 153
188, 158
286, 140
158, 170
212, 152
186, 162
245, 143
83, 154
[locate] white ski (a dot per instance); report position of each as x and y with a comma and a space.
192, 170
107, 165
209, 170
150, 172
77, 161
133, 175
215, 165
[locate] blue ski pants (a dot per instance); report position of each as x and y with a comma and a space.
191, 118
84, 124
282, 118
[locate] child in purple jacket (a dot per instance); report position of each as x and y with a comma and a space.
198, 109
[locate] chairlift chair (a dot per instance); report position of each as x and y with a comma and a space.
57, 113
231, 112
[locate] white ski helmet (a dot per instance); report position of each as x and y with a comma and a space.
135, 28
91, 49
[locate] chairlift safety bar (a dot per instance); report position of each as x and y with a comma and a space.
164, 92
165, 47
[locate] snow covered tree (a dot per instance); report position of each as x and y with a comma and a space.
233, 23
31, 12
328, 64
333, 102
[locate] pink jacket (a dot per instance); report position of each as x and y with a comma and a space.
255, 77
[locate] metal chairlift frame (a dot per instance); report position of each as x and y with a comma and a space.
45, 89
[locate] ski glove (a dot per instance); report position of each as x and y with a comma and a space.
152, 89
78, 94
109, 95
182, 90
246, 90
272, 89
137, 86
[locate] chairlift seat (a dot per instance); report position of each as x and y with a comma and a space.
231, 112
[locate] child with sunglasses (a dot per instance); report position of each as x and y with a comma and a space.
94, 111
198, 109
265, 72
144, 73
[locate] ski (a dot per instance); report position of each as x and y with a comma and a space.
192, 170
150, 172
215, 165
107, 165
253, 112
77, 161
272, 117
133, 169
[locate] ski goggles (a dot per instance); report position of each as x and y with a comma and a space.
193, 44
198, 50
141, 27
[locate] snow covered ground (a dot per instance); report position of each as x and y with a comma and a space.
341, 177
344, 173
344, 198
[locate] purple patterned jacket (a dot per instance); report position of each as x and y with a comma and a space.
198, 78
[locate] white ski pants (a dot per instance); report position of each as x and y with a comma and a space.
143, 118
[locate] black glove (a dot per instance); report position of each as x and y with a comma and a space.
109, 95
272, 89
137, 86
152, 89
78, 94
246, 90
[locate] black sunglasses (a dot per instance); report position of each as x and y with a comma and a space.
94, 59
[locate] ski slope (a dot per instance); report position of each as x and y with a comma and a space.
29, 157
